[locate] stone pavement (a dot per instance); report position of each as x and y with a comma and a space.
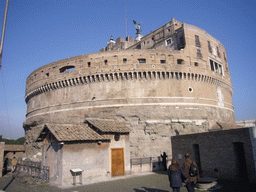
150, 182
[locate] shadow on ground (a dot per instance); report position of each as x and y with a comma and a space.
149, 190
235, 186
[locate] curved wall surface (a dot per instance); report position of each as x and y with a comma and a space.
157, 92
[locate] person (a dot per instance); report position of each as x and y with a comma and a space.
176, 175
6, 163
164, 157
190, 182
13, 164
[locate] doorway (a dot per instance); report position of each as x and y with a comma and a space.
197, 157
117, 162
240, 161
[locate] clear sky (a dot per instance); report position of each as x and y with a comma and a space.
39, 32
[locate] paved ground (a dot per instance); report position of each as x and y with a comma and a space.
153, 182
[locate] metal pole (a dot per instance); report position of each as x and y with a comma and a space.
125, 22
3, 31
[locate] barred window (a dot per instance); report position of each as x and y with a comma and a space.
198, 44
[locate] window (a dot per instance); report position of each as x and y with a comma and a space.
212, 65
224, 56
162, 61
106, 62
67, 68
198, 44
47, 74
89, 64
209, 47
180, 61
199, 54
216, 67
196, 64
218, 52
124, 60
182, 42
168, 42
142, 60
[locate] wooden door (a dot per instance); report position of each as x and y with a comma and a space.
117, 162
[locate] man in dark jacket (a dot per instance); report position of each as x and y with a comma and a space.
190, 182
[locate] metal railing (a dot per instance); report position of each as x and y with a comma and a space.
35, 170
155, 163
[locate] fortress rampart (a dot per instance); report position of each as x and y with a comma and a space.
173, 81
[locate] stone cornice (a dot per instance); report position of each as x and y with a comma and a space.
124, 76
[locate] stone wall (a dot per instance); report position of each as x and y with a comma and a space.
1, 157
217, 153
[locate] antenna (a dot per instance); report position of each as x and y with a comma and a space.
3, 31
125, 21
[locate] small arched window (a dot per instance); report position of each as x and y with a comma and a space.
67, 68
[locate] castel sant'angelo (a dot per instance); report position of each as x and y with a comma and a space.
172, 81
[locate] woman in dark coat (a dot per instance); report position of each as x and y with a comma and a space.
175, 174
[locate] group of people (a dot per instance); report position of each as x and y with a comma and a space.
182, 174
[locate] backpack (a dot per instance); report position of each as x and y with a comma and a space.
193, 170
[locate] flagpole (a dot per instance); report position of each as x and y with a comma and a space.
3, 32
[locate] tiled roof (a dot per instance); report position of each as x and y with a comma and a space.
108, 125
224, 126
70, 132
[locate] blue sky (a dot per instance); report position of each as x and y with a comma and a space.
40, 32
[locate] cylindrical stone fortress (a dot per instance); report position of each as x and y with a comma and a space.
173, 81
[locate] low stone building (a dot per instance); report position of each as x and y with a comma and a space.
226, 152
10, 151
99, 148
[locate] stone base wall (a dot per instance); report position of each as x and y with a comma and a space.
151, 126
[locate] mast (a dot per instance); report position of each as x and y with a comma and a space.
3, 32
125, 22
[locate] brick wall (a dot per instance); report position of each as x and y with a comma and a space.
217, 153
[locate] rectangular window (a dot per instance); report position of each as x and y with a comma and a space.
199, 54
209, 47
162, 61
89, 64
196, 64
212, 65
124, 60
182, 42
142, 60
224, 56
216, 67
198, 44
218, 52
106, 62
